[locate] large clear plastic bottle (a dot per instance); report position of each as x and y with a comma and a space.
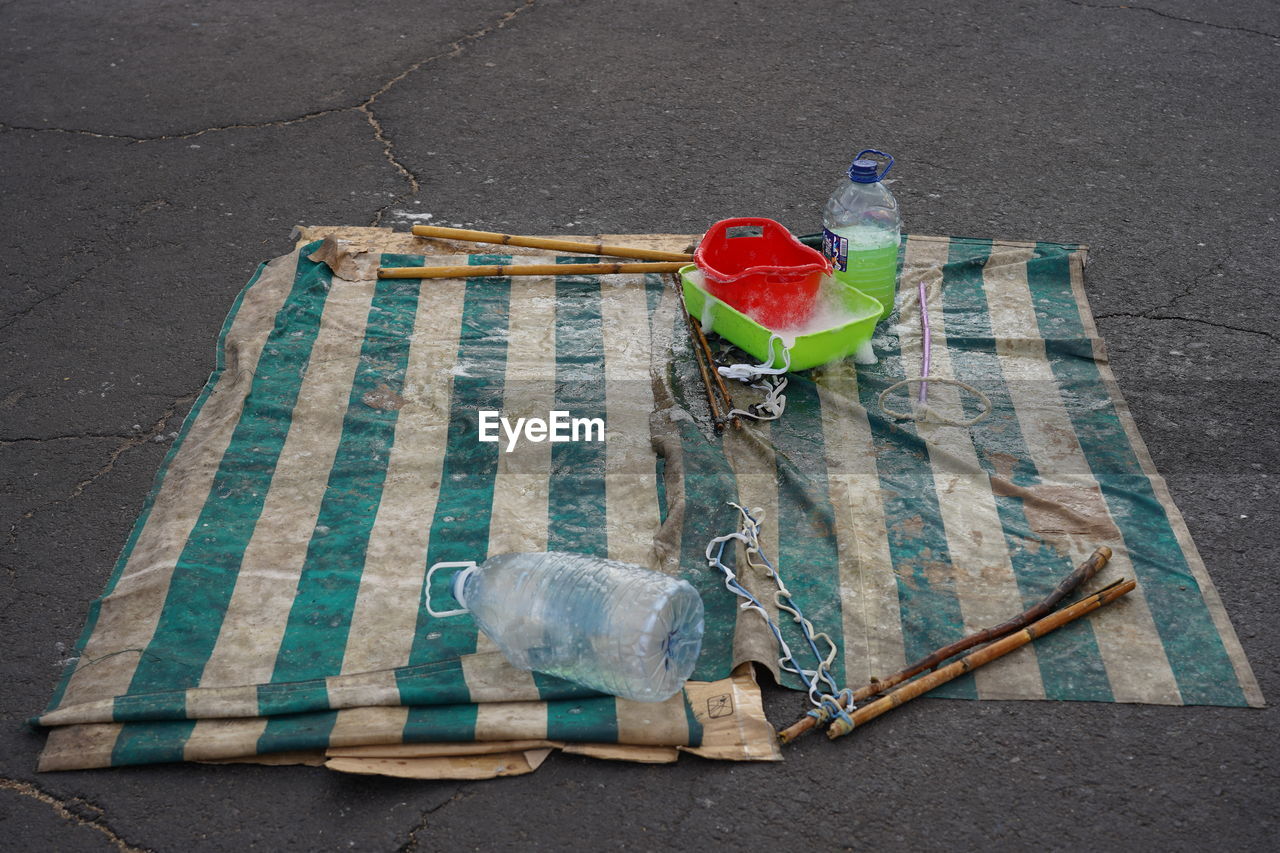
611, 626
861, 230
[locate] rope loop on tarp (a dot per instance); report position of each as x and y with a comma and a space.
815, 679
924, 413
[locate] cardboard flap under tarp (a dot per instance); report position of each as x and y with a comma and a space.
271, 596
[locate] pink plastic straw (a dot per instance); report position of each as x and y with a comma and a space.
924, 327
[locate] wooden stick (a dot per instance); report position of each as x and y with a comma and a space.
699, 339
547, 243
697, 356
1080, 575
460, 271
716, 418
972, 661
711, 359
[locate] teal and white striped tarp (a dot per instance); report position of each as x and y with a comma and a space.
271, 595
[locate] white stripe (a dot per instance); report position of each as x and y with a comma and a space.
128, 617
655, 723
511, 721
79, 747
519, 513
750, 453
1128, 642
212, 739
258, 613
361, 726
872, 629
985, 585
631, 490
385, 615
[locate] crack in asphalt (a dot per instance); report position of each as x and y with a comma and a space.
1161, 13
1199, 320
29, 309
364, 107
177, 137
1158, 312
36, 439
130, 442
388, 147
133, 441
68, 811
411, 843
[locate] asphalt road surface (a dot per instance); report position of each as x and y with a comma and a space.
153, 153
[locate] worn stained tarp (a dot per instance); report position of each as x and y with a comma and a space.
271, 596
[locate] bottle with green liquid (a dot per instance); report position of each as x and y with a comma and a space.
861, 230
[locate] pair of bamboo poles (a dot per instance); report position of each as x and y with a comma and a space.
1000, 640
653, 260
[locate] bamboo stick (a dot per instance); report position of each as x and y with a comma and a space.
467, 236
697, 356
983, 656
711, 359
1080, 575
460, 271
716, 418
699, 339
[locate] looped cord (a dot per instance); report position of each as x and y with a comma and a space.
923, 412
763, 377
748, 533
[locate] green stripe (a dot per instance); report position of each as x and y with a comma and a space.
206, 572
441, 723
315, 638
151, 742
1194, 648
808, 556
220, 363
707, 486
654, 286
460, 525
929, 607
691, 720
583, 720
1070, 663
297, 731
576, 489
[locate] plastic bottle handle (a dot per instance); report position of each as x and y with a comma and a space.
887, 166
465, 564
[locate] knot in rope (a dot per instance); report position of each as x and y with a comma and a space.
763, 377
837, 707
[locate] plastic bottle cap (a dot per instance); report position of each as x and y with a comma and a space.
864, 171
458, 588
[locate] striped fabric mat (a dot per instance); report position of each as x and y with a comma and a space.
271, 595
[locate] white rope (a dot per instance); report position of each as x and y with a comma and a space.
749, 535
924, 413
763, 377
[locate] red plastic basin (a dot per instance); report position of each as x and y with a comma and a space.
755, 266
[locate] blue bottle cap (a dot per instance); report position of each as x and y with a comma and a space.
864, 171
868, 171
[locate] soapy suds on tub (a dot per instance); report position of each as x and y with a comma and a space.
830, 312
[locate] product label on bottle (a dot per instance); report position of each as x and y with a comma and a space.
836, 248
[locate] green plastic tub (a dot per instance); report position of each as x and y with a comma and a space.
807, 350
